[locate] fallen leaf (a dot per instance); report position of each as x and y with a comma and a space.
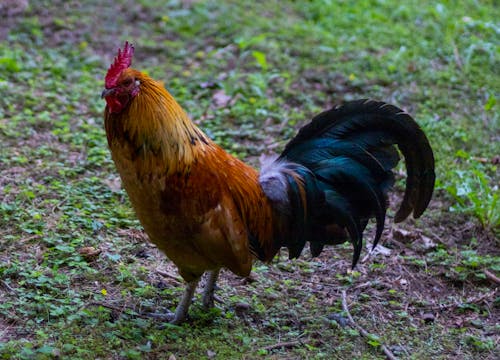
380, 249
427, 243
403, 235
89, 253
221, 99
418, 241
115, 184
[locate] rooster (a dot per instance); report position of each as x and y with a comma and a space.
207, 210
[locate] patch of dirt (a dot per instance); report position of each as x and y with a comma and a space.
11, 12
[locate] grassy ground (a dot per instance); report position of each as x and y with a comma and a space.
78, 278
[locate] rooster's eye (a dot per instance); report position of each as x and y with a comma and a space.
127, 82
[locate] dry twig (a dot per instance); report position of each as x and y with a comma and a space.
286, 345
303, 279
28, 238
362, 331
491, 276
455, 304
132, 312
456, 55
111, 307
7, 286
170, 276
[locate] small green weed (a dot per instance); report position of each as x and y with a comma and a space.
476, 193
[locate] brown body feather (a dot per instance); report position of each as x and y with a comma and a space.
196, 202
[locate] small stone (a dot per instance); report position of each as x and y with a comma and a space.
403, 282
241, 306
428, 318
339, 318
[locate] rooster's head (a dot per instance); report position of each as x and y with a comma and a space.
120, 85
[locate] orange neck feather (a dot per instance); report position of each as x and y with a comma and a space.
158, 130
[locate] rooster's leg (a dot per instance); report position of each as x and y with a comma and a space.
208, 292
183, 307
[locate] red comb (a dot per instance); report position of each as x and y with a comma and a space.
122, 61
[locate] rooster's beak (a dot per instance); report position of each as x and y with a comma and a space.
107, 92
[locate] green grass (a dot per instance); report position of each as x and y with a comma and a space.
276, 64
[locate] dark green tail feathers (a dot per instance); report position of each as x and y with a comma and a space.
335, 175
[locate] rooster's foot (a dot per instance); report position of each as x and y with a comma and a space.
208, 292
